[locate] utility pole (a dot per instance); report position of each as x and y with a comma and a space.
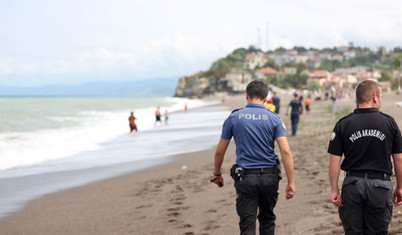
400, 75
267, 36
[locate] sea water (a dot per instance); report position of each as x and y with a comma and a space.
49, 144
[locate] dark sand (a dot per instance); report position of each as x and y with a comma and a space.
170, 200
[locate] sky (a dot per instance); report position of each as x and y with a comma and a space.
45, 42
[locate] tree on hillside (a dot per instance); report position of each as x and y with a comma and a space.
301, 67
330, 65
280, 50
294, 80
398, 65
219, 68
314, 86
385, 76
253, 49
240, 51
300, 50
397, 49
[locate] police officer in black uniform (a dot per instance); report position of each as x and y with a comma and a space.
367, 138
256, 172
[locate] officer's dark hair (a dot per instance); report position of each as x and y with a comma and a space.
365, 90
257, 89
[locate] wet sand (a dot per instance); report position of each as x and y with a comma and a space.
177, 198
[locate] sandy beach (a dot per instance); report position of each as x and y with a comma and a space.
177, 198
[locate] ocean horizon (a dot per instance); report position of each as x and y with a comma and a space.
48, 144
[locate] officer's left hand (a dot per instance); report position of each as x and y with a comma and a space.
397, 197
336, 199
290, 191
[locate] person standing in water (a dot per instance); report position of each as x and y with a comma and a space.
166, 117
158, 116
131, 122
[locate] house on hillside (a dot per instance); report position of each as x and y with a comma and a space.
343, 48
253, 60
337, 57
312, 53
264, 72
289, 70
374, 74
386, 85
349, 54
315, 62
319, 76
341, 82
301, 59
236, 80
326, 56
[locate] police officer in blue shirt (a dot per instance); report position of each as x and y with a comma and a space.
297, 110
367, 138
255, 130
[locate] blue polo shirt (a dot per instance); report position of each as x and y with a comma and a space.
296, 106
254, 129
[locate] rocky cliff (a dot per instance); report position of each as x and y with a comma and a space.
192, 86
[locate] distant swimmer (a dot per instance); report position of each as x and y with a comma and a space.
166, 117
133, 126
158, 116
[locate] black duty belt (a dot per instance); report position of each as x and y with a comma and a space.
261, 170
370, 175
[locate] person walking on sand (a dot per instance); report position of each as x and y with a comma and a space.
131, 122
256, 172
166, 117
277, 102
158, 116
333, 104
307, 104
367, 138
297, 109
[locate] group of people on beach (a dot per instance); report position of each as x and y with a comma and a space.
366, 139
296, 106
158, 118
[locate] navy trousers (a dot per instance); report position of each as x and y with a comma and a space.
257, 192
295, 120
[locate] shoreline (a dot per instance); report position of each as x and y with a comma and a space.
173, 199
113, 158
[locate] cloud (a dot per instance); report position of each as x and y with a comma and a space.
177, 38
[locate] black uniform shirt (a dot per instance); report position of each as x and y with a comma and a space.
367, 138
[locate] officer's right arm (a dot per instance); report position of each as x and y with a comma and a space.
219, 156
397, 197
334, 170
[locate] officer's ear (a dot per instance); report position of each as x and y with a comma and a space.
375, 98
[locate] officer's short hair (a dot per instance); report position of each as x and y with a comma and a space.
257, 89
365, 90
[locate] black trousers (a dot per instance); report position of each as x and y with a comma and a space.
367, 205
257, 192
